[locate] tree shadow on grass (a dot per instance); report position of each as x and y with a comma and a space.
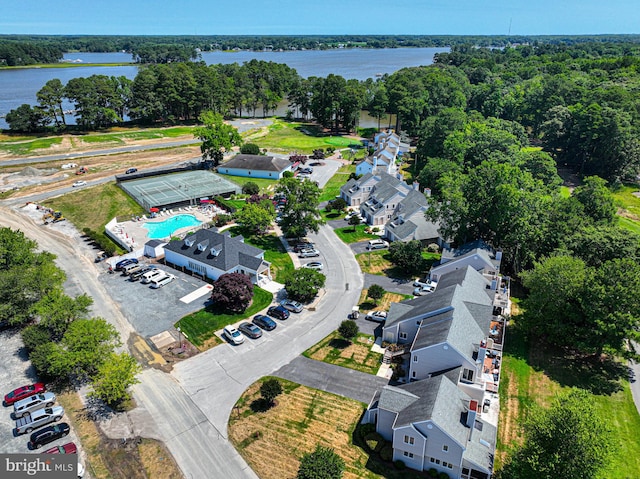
261, 405
339, 343
366, 305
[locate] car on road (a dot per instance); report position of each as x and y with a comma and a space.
233, 335
378, 316
250, 329
311, 253
79, 183
278, 312
124, 262
377, 244
68, 448
422, 290
23, 392
265, 322
48, 434
66, 166
317, 265
291, 305
131, 170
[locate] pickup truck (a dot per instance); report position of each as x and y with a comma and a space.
36, 419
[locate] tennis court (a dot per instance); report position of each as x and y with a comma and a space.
178, 189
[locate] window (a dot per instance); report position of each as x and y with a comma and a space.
432, 459
445, 463
445, 448
403, 335
415, 358
438, 461
450, 466
409, 440
408, 454
467, 374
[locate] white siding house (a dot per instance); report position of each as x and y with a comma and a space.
255, 166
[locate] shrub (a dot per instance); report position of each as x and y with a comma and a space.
433, 472
222, 220
250, 188
374, 441
433, 248
270, 389
323, 463
250, 149
348, 329
400, 465
443, 475
375, 292
375, 229
287, 174
364, 429
386, 453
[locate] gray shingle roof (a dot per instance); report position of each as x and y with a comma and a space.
477, 452
153, 243
478, 247
257, 162
233, 252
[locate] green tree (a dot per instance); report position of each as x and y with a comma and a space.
348, 329
303, 284
323, 463
216, 136
375, 292
597, 200
270, 389
250, 149
57, 310
338, 204
300, 214
355, 221
255, 218
50, 97
114, 377
569, 440
407, 255
232, 292
26, 119
250, 188
596, 244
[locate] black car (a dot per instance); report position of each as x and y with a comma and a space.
250, 330
265, 322
122, 263
138, 274
48, 434
278, 312
303, 246
131, 170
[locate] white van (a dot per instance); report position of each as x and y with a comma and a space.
160, 282
151, 275
377, 244
131, 268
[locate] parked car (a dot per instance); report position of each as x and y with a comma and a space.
131, 170
124, 262
291, 305
32, 403
250, 329
422, 290
151, 275
66, 166
265, 322
23, 392
278, 312
41, 417
233, 335
377, 244
79, 183
303, 246
160, 282
418, 283
311, 253
68, 448
378, 316
317, 265
136, 275
48, 434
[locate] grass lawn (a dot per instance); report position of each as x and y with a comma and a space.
202, 325
379, 262
275, 252
95, 206
625, 199
332, 188
629, 224
266, 185
300, 137
27, 147
349, 234
354, 354
534, 374
272, 441
383, 304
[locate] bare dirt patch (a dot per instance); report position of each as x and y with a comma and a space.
355, 354
383, 304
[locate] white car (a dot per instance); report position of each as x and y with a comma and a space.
160, 282
66, 166
422, 290
420, 282
317, 265
233, 335
79, 183
378, 316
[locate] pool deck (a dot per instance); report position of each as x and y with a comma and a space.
134, 233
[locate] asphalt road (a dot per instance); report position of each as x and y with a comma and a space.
331, 378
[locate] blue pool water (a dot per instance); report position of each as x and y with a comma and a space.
166, 228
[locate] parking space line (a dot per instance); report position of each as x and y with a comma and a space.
206, 289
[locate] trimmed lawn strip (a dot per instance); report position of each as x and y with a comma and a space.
274, 252
383, 304
203, 324
27, 147
273, 441
332, 188
378, 262
628, 224
349, 234
531, 375
266, 185
354, 354
627, 200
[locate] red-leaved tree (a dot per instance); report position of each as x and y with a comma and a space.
232, 292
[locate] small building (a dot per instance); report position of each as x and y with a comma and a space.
154, 248
255, 166
210, 255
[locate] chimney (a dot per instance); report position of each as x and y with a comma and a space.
499, 255
427, 192
472, 413
416, 186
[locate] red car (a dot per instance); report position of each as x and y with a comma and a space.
23, 392
68, 448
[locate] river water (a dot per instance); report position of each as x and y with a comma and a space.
21, 85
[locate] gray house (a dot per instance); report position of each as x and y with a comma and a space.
255, 166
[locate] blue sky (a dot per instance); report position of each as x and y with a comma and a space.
295, 17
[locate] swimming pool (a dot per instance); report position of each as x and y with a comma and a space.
166, 228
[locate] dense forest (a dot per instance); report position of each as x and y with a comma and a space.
20, 50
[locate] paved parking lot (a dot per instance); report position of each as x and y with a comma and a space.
16, 371
151, 311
